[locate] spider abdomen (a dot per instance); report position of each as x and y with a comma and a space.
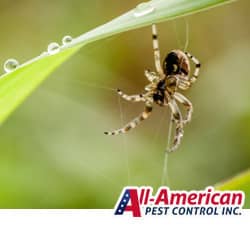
176, 62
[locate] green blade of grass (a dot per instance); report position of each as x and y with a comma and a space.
239, 182
17, 85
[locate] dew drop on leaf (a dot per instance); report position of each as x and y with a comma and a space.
53, 48
66, 40
10, 65
143, 9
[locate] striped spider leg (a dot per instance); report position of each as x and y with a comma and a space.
136, 121
157, 55
177, 119
187, 104
183, 82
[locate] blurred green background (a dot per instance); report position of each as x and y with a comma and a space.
53, 153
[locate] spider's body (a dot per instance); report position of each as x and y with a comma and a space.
176, 65
163, 89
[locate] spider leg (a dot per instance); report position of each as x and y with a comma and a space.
131, 98
152, 77
177, 118
183, 83
136, 121
197, 67
157, 55
187, 104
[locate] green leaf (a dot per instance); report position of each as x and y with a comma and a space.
17, 85
239, 182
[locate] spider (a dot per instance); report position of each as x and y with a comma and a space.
163, 89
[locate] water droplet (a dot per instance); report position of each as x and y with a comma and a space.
10, 65
143, 9
66, 40
53, 48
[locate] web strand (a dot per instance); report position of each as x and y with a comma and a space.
181, 45
125, 144
165, 172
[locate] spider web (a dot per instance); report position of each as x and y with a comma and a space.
164, 176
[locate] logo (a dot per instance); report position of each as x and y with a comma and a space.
139, 201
